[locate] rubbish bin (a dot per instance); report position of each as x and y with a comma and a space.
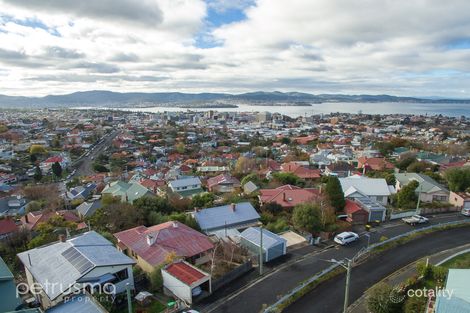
368, 227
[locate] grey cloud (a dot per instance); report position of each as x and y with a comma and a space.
96, 67
125, 57
62, 53
67, 78
142, 12
20, 59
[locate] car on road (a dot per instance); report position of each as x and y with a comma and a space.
415, 219
465, 212
346, 237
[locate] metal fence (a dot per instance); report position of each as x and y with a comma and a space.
273, 308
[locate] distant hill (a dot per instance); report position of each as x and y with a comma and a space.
103, 98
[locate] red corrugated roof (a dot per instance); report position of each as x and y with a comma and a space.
7, 226
185, 273
168, 237
352, 207
288, 196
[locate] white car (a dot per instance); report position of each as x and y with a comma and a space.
415, 219
346, 237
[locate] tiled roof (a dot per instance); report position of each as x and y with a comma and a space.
222, 179
166, 238
300, 171
7, 226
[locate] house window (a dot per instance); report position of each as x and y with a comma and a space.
379, 198
121, 275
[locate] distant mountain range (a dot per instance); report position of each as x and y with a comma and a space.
102, 98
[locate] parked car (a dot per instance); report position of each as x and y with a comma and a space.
465, 212
346, 237
415, 219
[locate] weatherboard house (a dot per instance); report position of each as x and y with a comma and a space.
86, 261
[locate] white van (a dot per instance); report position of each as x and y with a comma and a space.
465, 211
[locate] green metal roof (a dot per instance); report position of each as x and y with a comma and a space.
7, 289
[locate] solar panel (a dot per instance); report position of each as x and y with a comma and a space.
75, 258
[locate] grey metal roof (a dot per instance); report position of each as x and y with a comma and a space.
185, 182
270, 239
365, 185
224, 216
369, 204
66, 262
89, 208
426, 183
77, 304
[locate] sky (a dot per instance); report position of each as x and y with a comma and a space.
408, 48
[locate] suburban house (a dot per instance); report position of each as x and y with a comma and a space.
339, 169
128, 192
88, 208
299, 170
227, 219
428, 189
374, 188
186, 187
81, 192
10, 299
31, 220
7, 227
150, 246
356, 214
250, 187
288, 196
457, 199
84, 261
376, 211
274, 246
374, 164
223, 183
12, 205
185, 282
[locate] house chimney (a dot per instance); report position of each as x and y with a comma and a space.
233, 207
174, 224
26, 218
284, 196
62, 238
150, 239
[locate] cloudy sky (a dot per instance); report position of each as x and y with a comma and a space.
412, 47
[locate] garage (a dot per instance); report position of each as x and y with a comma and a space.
185, 282
274, 246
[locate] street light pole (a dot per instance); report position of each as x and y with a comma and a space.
261, 251
346, 291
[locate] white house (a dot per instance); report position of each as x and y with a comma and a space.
374, 188
428, 189
67, 266
186, 186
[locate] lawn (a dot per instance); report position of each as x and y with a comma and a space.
461, 261
154, 307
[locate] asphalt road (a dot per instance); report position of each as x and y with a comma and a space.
329, 296
85, 163
250, 299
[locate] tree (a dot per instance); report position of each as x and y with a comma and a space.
406, 197
100, 168
417, 167
149, 204
405, 162
37, 149
288, 179
37, 174
57, 169
335, 193
33, 158
244, 166
390, 179
458, 178
272, 207
253, 177
379, 299
203, 200
307, 217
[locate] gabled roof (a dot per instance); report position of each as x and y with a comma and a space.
426, 183
222, 179
365, 185
352, 207
300, 171
183, 182
226, 216
66, 262
7, 226
165, 238
34, 218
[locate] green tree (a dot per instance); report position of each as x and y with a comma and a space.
37, 149
417, 167
253, 177
406, 197
203, 200
390, 179
37, 174
272, 207
288, 179
379, 299
153, 204
307, 217
458, 178
100, 168
415, 304
57, 169
335, 193
403, 164
33, 158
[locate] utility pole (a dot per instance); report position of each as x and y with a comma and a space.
346, 291
129, 300
261, 251
418, 211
